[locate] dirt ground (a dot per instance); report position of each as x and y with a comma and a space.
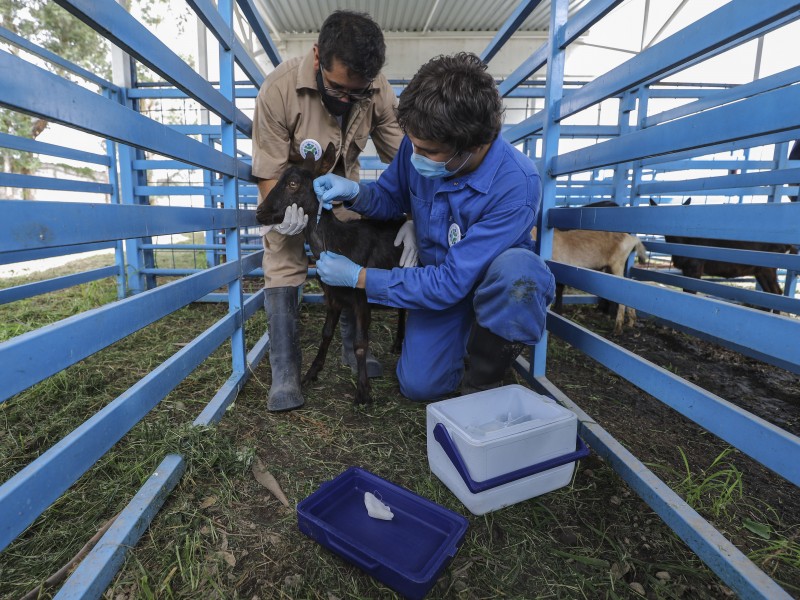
594, 539
653, 431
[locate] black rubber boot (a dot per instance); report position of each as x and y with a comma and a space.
348, 329
490, 356
284, 349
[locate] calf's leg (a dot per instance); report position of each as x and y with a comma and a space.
331, 319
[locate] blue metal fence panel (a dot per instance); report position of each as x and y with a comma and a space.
768, 444
733, 22
711, 546
47, 224
28, 493
31, 89
776, 223
33, 356
29, 290
120, 27
95, 572
27, 145
717, 119
764, 114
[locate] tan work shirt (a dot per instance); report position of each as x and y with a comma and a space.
289, 110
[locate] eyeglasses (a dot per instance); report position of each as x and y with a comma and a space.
364, 94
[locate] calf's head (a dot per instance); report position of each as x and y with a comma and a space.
296, 187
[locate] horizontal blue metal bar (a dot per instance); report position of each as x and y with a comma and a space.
720, 290
172, 165
28, 493
212, 19
250, 13
710, 165
722, 556
743, 350
215, 409
36, 355
57, 60
27, 145
30, 225
30, 290
507, 29
177, 190
762, 331
788, 77
169, 272
731, 23
724, 182
96, 572
12, 257
116, 24
763, 114
770, 445
35, 91
53, 183
741, 257
764, 222
731, 146
526, 128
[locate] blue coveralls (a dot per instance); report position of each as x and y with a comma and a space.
476, 256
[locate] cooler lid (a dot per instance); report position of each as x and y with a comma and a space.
499, 413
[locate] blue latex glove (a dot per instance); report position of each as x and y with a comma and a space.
335, 269
331, 187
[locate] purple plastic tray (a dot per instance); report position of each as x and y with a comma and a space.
407, 553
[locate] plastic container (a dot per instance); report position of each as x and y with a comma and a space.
407, 553
502, 446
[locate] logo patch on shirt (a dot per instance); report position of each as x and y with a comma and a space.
453, 234
311, 145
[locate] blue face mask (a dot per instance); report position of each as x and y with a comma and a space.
433, 169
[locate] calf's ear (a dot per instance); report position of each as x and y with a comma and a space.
308, 162
325, 164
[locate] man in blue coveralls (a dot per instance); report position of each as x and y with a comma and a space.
480, 291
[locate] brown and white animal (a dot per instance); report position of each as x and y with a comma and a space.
366, 242
600, 251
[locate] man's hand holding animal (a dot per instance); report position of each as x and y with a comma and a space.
337, 270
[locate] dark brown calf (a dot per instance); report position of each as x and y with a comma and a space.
766, 277
367, 243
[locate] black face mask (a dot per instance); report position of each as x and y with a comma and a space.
335, 106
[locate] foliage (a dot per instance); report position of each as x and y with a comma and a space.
46, 24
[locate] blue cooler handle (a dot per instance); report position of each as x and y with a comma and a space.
441, 435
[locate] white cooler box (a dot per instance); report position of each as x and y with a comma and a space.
502, 446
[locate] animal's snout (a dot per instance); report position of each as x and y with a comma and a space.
266, 215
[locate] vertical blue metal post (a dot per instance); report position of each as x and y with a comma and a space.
551, 131
230, 194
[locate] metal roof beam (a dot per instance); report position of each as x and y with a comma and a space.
576, 26
523, 10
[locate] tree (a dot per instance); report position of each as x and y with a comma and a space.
46, 24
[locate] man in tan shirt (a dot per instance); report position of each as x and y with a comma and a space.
335, 93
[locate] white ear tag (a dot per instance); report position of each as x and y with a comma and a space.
377, 509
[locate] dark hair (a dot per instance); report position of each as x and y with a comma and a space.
355, 39
452, 100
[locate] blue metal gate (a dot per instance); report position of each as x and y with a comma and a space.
627, 164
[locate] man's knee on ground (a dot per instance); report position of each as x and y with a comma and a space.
418, 390
512, 299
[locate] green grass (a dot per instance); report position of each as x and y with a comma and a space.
221, 535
